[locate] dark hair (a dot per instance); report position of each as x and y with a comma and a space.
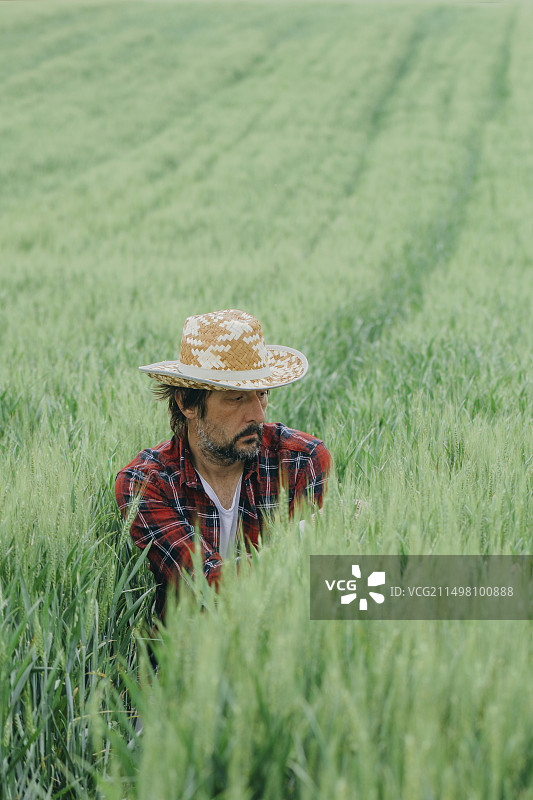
190, 398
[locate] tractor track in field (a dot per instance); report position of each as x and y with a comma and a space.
374, 123
239, 75
352, 326
251, 125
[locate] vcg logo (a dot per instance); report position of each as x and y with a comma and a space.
350, 586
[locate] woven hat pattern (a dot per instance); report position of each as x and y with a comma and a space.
223, 340
226, 350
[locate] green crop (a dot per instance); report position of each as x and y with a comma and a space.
358, 176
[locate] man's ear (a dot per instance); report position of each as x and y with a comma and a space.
189, 413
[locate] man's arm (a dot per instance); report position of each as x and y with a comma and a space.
165, 527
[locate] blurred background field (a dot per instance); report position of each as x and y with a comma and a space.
358, 176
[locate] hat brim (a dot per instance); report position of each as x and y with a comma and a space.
286, 366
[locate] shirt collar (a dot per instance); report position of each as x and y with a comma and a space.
250, 468
188, 474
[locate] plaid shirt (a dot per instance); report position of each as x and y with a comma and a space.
172, 499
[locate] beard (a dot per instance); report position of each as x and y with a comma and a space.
226, 452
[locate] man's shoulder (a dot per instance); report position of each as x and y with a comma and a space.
278, 438
301, 455
163, 457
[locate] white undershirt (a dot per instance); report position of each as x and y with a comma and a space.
228, 517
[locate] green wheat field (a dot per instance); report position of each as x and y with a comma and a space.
359, 176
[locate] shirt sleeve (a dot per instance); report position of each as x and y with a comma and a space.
164, 526
311, 476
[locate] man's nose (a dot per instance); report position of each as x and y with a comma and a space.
255, 409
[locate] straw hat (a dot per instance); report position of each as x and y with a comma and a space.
226, 350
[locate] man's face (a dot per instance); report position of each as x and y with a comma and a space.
232, 427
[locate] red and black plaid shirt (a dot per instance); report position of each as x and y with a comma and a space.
172, 499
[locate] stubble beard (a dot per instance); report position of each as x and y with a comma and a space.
227, 452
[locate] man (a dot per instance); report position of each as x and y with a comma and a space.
224, 466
